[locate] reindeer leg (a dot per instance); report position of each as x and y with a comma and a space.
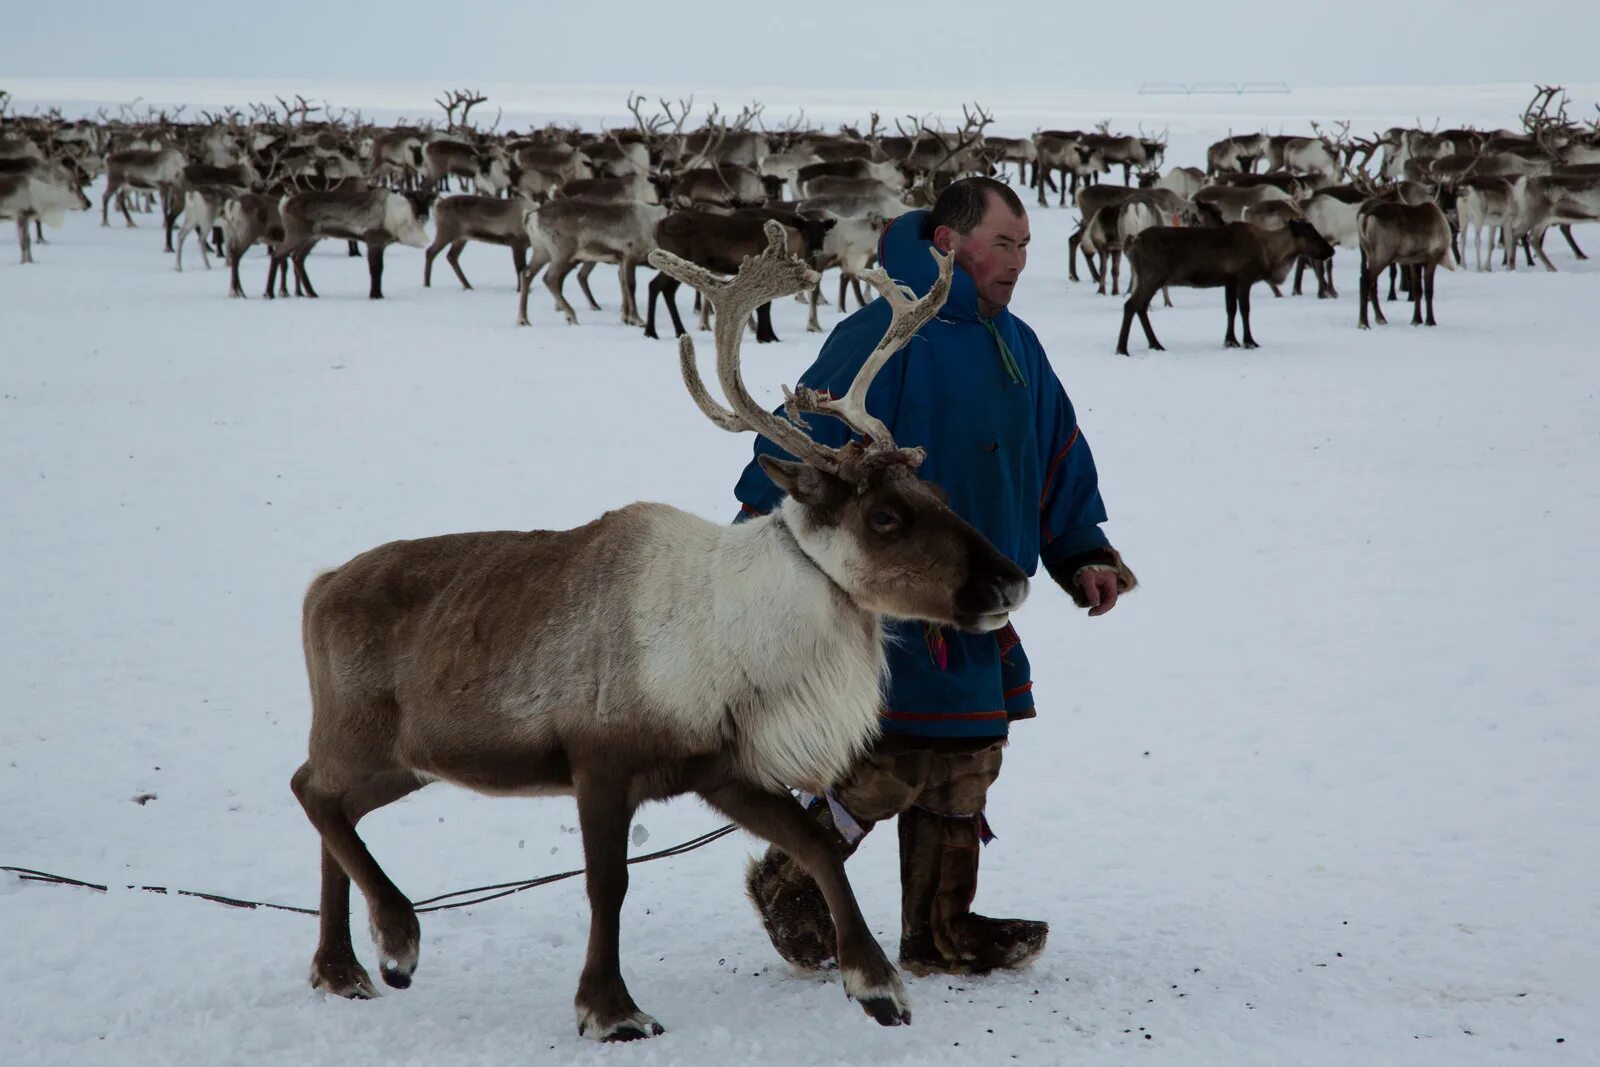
169, 215
1414, 272
1366, 288
1299, 273
1566, 231
554, 277
1230, 298
235, 289
657, 286
1116, 268
375, 248
1327, 270
525, 282
812, 323
1538, 247
105, 201
869, 978
453, 257
606, 1011
352, 250
1428, 282
1244, 314
345, 857
24, 240
38, 231
627, 278
519, 259
122, 205
764, 331
428, 256
1393, 270
584, 270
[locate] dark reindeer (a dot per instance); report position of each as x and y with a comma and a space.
1233, 257
630, 660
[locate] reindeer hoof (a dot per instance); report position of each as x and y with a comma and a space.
885, 1000
343, 978
635, 1027
1230, 343
1251, 344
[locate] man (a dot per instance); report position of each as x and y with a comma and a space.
975, 390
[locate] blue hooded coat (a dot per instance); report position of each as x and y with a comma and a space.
1002, 440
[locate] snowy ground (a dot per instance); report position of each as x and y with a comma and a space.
1322, 792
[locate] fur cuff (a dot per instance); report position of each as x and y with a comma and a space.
1125, 577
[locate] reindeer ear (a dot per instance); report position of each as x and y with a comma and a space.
800, 480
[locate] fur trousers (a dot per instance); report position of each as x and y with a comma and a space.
938, 795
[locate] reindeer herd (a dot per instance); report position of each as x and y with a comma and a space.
563, 199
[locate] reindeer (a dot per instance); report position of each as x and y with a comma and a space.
1185, 181
489, 171
203, 207
462, 218
249, 220
1234, 256
154, 170
29, 197
1232, 200
236, 178
714, 242
1554, 200
1236, 153
884, 173
630, 660
1483, 203
1063, 151
635, 187
1019, 150
567, 232
376, 217
728, 185
1415, 236
1129, 152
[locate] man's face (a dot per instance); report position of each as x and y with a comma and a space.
994, 253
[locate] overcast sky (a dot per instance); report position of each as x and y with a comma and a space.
1025, 44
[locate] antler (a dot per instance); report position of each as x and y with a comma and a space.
908, 314
767, 277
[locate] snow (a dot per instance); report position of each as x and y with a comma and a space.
1323, 791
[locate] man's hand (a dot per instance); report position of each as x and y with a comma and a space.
1099, 586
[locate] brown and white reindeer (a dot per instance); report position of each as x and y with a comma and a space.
575, 232
30, 198
154, 170
1236, 153
249, 220
1063, 152
631, 660
465, 217
1553, 200
376, 217
203, 209
1414, 237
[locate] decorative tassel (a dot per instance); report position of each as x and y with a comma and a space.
937, 648
985, 833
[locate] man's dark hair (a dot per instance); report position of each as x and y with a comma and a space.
963, 203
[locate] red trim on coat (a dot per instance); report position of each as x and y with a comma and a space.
1050, 474
748, 510
1026, 687
942, 716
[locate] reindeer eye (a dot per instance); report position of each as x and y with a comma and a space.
884, 521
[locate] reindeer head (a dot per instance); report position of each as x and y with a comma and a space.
859, 513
